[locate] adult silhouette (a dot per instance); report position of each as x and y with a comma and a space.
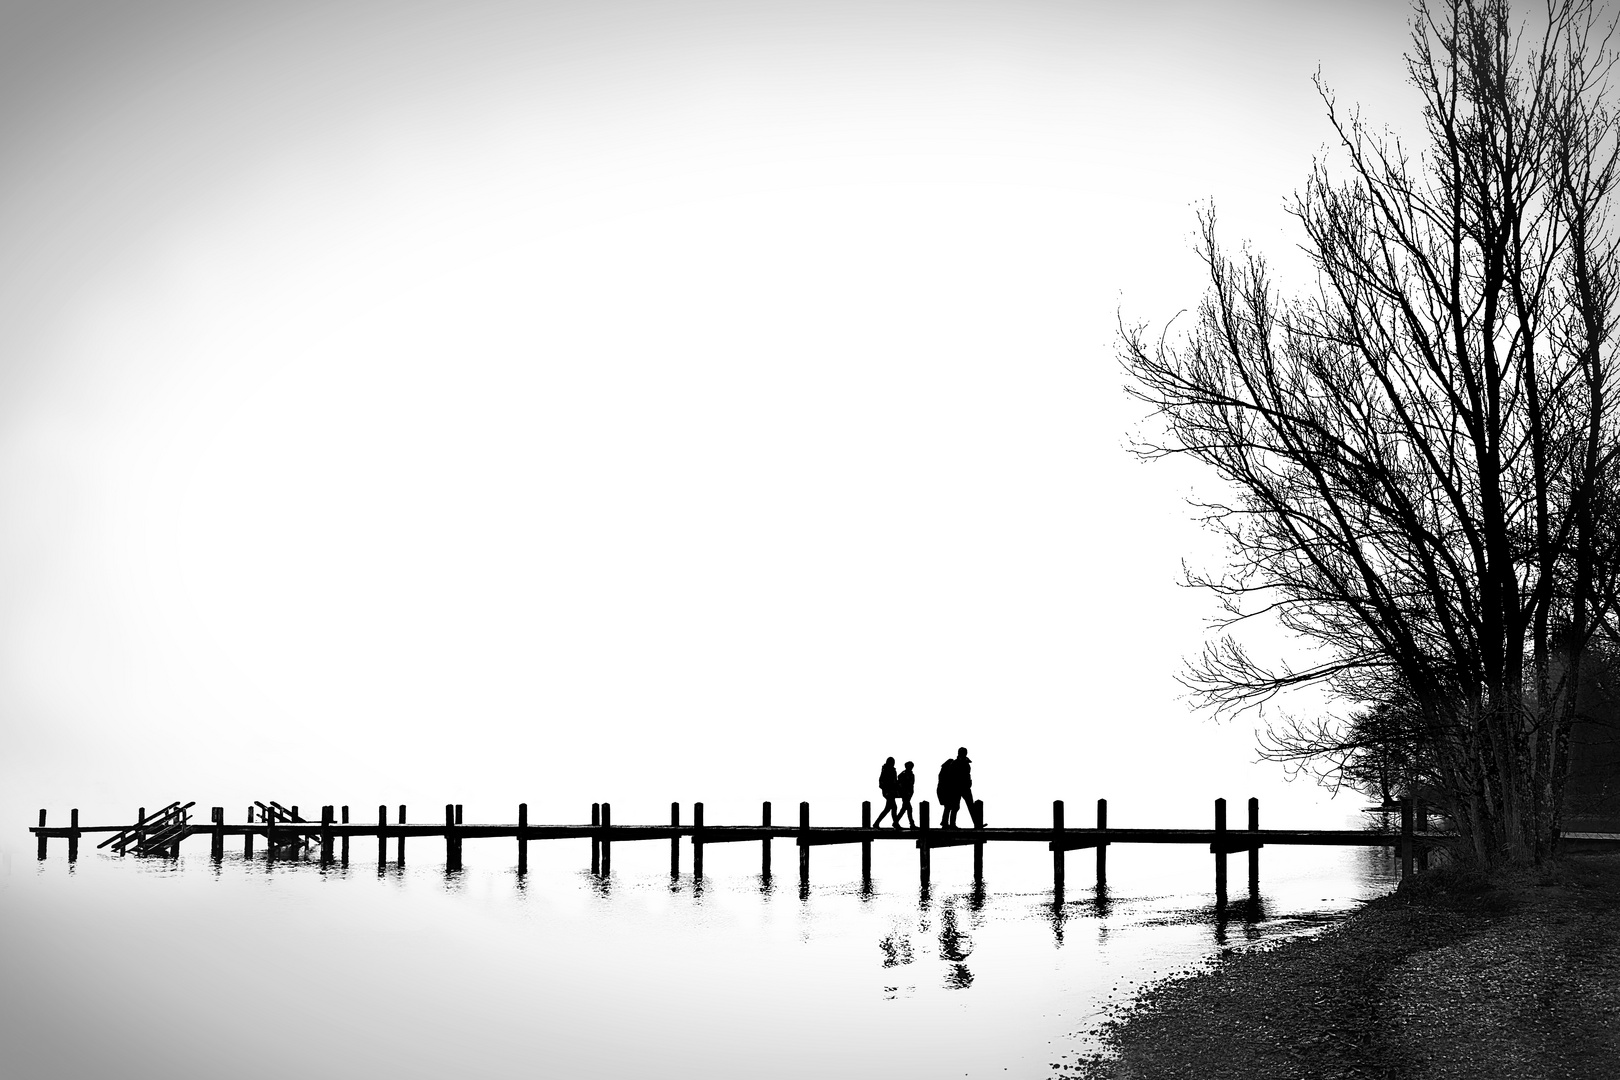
948, 789
905, 784
888, 783
964, 786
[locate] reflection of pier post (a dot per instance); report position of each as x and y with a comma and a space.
804, 843
1220, 853
1102, 847
924, 853
1057, 850
765, 843
866, 845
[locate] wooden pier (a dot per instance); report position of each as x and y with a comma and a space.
286, 833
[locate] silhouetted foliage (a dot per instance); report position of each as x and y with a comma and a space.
1422, 452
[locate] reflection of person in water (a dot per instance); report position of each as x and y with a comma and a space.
904, 785
887, 785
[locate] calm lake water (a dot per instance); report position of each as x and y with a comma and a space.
136, 968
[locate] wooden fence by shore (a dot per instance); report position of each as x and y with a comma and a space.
286, 834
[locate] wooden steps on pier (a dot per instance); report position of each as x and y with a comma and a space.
156, 833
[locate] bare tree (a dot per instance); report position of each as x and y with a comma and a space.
1422, 451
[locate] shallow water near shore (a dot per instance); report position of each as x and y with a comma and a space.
184, 968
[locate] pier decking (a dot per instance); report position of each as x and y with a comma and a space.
285, 833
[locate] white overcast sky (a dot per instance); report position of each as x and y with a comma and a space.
479, 401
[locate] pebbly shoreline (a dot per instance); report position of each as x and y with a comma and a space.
1449, 978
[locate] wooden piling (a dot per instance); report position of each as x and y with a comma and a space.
343, 844
1254, 849
866, 845
765, 844
216, 845
401, 847
523, 841
1220, 853
1057, 847
326, 835
1102, 846
73, 839
269, 837
458, 813
382, 840
247, 837
41, 844
675, 842
1406, 838
596, 841
804, 842
452, 851
978, 849
697, 842
924, 852
607, 845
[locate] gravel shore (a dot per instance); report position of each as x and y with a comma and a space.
1451, 978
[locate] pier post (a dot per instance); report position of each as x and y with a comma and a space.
326, 835
247, 837
1254, 850
1219, 847
1102, 846
697, 843
1421, 813
804, 843
382, 839
343, 843
607, 845
1057, 849
523, 839
73, 840
765, 844
596, 840
866, 845
1406, 838
924, 852
458, 813
41, 844
269, 837
675, 842
452, 851
216, 845
401, 847
978, 849
140, 833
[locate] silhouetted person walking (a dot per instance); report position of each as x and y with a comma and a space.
905, 784
949, 791
888, 783
964, 786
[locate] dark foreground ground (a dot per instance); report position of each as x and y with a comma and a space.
1451, 977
